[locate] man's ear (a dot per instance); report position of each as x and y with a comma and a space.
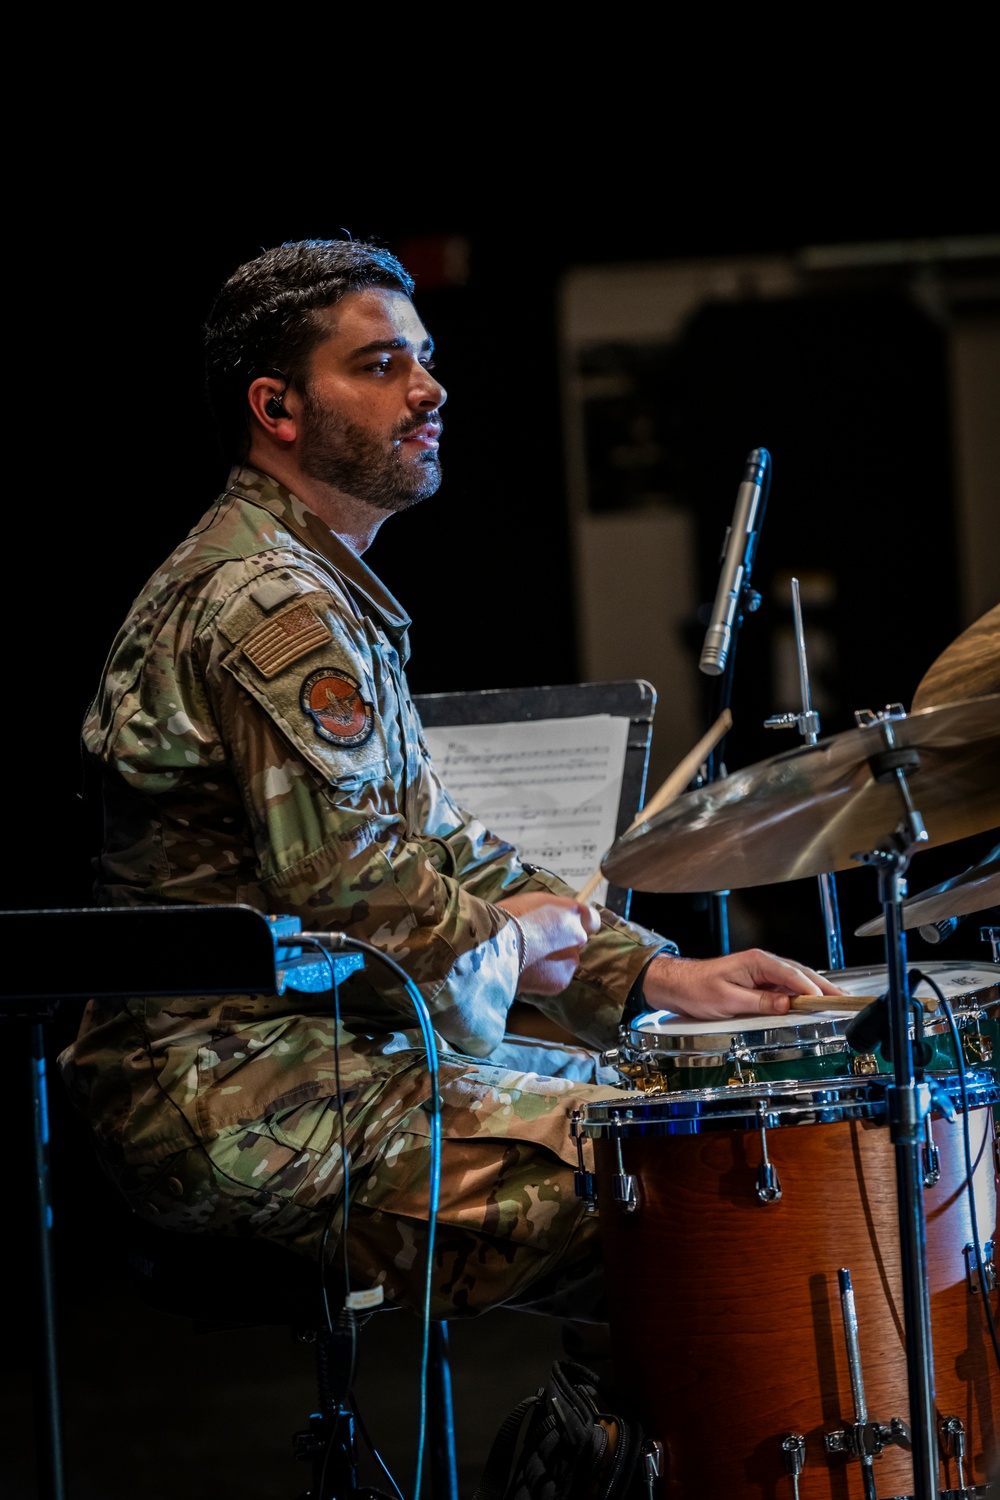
266, 399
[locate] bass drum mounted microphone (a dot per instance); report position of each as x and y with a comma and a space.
737, 560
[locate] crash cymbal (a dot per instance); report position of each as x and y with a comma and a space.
808, 810
973, 890
968, 668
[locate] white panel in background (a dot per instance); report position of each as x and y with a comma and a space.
551, 787
636, 585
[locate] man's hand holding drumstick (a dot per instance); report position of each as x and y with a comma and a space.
554, 930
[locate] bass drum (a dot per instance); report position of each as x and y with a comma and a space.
726, 1215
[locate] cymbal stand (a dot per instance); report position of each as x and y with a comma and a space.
807, 723
909, 1105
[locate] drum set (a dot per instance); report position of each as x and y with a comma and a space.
799, 1213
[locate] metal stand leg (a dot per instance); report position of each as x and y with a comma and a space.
909, 1106
48, 1423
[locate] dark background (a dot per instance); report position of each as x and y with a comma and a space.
127, 461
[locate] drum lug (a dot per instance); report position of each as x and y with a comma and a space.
768, 1182
738, 1056
583, 1181
932, 1157
972, 1270
864, 1064
952, 1432
652, 1463
625, 1190
793, 1456
978, 1049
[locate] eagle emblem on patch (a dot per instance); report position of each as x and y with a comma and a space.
333, 701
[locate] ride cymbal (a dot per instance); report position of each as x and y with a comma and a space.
973, 890
808, 810
968, 668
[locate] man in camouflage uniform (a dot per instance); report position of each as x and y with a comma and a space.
257, 743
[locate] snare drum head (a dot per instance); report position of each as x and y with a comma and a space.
969, 988
957, 981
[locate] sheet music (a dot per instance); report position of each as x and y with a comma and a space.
551, 787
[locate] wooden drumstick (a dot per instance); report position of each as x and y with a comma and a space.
806, 1004
669, 789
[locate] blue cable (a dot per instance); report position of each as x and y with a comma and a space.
915, 976
335, 941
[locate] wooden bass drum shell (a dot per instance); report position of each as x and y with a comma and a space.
725, 1311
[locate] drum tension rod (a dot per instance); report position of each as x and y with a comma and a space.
953, 1441
793, 1456
768, 1182
626, 1193
583, 1181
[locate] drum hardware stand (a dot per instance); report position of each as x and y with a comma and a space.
807, 723
991, 935
734, 600
909, 1102
864, 1439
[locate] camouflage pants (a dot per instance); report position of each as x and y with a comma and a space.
509, 1227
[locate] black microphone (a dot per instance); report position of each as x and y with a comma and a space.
938, 932
737, 560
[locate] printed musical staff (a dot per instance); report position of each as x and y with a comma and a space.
551, 787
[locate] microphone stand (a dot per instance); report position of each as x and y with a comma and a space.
747, 602
909, 1105
808, 726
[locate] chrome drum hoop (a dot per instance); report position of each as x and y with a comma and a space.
798, 1037
773, 1105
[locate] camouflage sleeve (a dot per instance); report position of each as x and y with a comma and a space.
311, 705
614, 958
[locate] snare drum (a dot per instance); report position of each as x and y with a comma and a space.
971, 989
723, 1230
660, 1050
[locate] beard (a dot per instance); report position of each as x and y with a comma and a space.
369, 468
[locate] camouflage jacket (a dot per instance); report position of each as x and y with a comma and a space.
257, 743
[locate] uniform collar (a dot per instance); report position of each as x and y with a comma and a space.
253, 485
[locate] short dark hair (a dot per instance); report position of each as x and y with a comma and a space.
264, 319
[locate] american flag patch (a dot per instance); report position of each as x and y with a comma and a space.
276, 643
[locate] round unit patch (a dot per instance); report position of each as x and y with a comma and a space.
333, 701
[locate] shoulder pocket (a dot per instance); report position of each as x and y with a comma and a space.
324, 703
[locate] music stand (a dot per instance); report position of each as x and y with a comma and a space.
632, 699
